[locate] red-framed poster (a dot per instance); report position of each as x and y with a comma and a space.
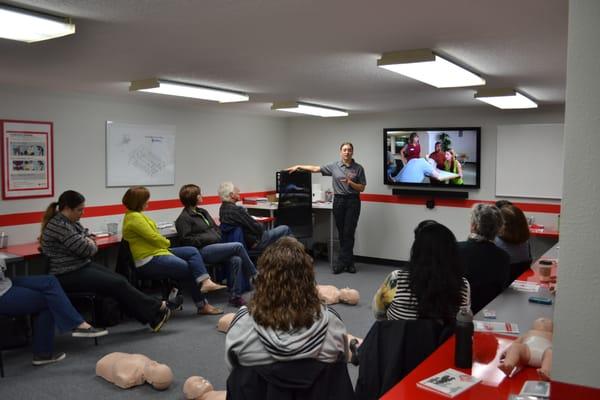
27, 159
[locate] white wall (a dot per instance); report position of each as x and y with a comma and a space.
576, 317
385, 230
210, 147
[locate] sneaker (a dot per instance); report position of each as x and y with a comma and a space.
237, 301
351, 268
43, 359
175, 304
90, 332
338, 269
161, 320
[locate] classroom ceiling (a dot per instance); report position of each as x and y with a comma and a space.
320, 51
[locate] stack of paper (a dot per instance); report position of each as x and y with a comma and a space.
525, 286
496, 327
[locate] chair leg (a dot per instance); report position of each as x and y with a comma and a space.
96, 341
1, 365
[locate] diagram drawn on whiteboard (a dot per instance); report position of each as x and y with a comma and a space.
139, 154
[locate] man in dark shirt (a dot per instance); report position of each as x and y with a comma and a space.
255, 235
486, 266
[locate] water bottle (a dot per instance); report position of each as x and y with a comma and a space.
463, 351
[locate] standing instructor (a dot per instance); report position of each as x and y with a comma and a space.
348, 181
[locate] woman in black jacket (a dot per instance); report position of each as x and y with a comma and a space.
195, 227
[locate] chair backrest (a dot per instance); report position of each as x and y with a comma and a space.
125, 264
293, 380
517, 269
392, 349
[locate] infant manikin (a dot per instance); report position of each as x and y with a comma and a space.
129, 370
332, 295
198, 388
534, 348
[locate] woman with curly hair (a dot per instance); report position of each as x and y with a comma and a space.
285, 319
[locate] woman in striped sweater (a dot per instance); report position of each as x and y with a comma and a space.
432, 286
70, 248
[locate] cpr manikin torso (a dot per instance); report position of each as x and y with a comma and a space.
129, 370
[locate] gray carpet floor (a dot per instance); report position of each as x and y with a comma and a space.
189, 344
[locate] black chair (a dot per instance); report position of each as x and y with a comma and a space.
15, 332
232, 234
305, 379
517, 269
82, 301
392, 349
126, 267
295, 202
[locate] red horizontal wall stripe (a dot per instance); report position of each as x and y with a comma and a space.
388, 198
35, 217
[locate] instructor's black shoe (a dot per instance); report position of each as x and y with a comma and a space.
338, 269
351, 268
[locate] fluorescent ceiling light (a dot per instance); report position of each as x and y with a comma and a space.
426, 66
30, 26
505, 98
310, 109
187, 90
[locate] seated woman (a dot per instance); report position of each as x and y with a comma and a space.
195, 227
451, 164
514, 234
432, 287
42, 295
155, 258
285, 320
70, 248
486, 266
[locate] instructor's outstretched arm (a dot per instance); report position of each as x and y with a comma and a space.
310, 168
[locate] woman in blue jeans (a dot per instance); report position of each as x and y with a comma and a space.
156, 259
196, 227
43, 295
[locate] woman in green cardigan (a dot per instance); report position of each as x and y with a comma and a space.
155, 259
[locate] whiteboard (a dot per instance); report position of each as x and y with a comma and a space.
139, 154
529, 161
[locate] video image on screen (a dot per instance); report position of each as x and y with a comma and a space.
444, 157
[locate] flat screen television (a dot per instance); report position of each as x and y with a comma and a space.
432, 157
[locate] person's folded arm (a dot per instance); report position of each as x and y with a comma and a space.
146, 231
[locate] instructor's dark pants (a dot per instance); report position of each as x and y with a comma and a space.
346, 209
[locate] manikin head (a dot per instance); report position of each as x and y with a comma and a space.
543, 324
195, 387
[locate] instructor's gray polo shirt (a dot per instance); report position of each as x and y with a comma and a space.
338, 170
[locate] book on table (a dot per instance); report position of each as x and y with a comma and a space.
449, 383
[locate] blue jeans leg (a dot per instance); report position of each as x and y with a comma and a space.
188, 273
271, 235
235, 257
42, 295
